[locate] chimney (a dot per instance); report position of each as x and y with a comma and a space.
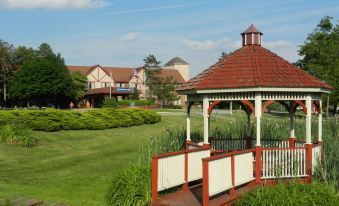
252, 36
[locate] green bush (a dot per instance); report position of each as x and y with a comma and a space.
290, 194
109, 103
55, 120
176, 107
131, 186
17, 134
136, 102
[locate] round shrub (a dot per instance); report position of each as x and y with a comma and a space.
131, 186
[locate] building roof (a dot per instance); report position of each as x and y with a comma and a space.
252, 66
124, 75
82, 69
171, 73
119, 74
252, 29
176, 61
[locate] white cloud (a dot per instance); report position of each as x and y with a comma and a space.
200, 45
277, 44
52, 4
130, 36
224, 44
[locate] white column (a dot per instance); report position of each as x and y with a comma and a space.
320, 122
188, 126
292, 121
258, 115
308, 119
205, 106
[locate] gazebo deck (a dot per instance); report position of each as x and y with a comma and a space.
193, 196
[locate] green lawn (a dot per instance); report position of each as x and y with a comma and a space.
75, 167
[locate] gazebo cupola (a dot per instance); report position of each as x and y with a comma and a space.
251, 36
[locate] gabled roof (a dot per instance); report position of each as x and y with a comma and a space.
119, 74
176, 61
252, 66
82, 69
171, 73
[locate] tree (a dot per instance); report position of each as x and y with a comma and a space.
42, 79
320, 54
7, 66
152, 68
79, 85
165, 90
224, 54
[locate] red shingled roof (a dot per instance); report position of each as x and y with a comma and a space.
171, 73
252, 66
252, 29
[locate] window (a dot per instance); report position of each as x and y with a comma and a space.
91, 85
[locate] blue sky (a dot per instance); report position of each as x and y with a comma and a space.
123, 32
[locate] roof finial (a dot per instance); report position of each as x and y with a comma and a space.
251, 36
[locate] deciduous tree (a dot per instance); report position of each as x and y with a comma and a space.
320, 55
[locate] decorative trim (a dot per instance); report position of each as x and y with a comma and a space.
249, 104
211, 107
300, 103
263, 89
266, 104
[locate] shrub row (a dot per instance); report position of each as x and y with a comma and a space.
55, 120
136, 102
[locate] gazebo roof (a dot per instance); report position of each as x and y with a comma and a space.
252, 66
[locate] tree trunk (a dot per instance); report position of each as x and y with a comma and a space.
327, 105
5, 94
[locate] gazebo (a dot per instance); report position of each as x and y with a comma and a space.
255, 78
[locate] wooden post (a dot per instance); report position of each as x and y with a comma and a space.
258, 148
308, 144
292, 130
232, 191
320, 122
258, 155
154, 180
185, 185
205, 189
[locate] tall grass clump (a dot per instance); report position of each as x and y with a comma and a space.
328, 170
131, 186
17, 134
290, 194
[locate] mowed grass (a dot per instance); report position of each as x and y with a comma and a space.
75, 167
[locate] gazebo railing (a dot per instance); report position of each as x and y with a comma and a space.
226, 171
177, 168
241, 144
283, 162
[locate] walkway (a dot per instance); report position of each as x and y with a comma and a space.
194, 197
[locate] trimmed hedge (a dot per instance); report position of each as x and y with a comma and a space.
55, 120
136, 102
